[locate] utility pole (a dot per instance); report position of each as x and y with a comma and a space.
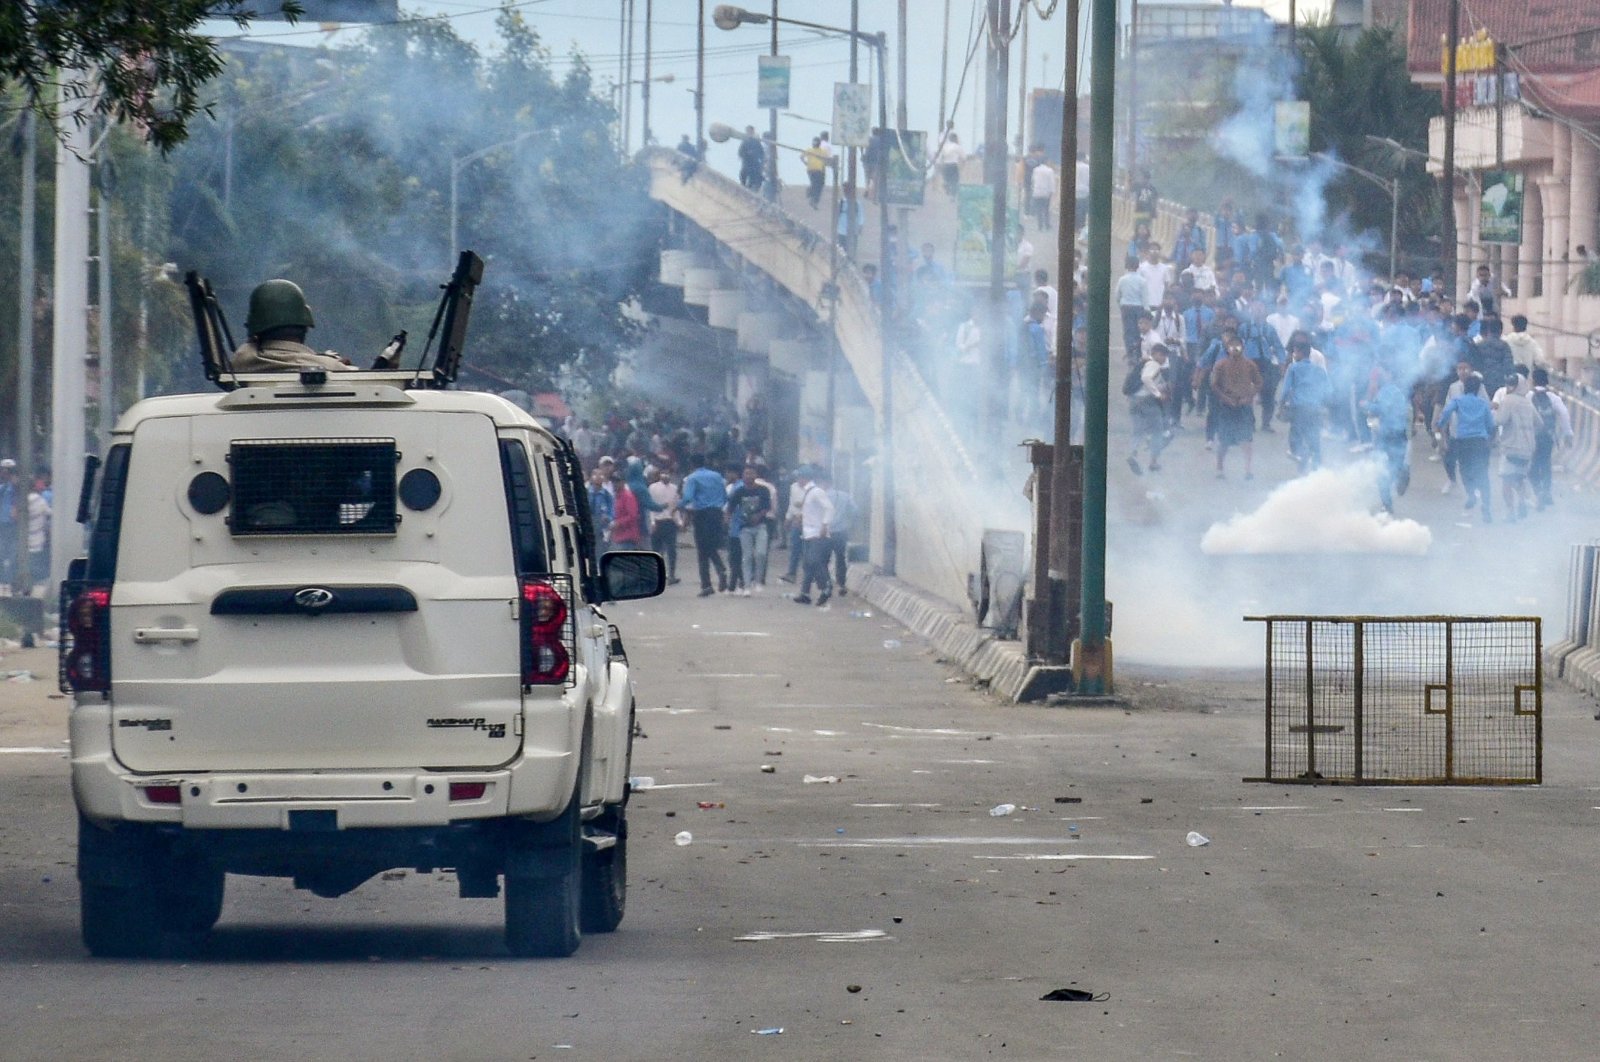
107, 404
627, 85
1091, 651
772, 123
1064, 520
1133, 89
1447, 234
649, 21
998, 31
22, 578
944, 70
852, 227
700, 80
622, 72
1022, 83
70, 341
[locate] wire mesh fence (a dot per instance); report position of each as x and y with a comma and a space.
1412, 700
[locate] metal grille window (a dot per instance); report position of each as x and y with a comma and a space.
1404, 699
313, 487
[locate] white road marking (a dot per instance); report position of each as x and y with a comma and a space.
738, 634
965, 761
927, 842
671, 711
676, 785
836, 936
897, 805
1402, 809
742, 674
939, 731
31, 750
1063, 857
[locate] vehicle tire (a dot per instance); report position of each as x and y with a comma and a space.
605, 877
189, 898
116, 894
116, 922
137, 894
543, 911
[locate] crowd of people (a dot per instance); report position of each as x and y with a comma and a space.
652, 477
1256, 331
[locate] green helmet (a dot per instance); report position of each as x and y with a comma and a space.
277, 304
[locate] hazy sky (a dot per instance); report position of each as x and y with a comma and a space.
818, 61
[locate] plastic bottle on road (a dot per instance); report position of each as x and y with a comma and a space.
683, 839
1197, 840
1000, 811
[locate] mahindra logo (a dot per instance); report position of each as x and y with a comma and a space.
313, 598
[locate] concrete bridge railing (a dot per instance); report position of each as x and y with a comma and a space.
941, 501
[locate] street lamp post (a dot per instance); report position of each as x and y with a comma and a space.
461, 162
1391, 185
728, 17
623, 90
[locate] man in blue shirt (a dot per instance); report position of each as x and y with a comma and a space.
1262, 346
1304, 396
704, 495
8, 519
1473, 428
1393, 412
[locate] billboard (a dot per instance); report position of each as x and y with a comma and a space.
1500, 210
852, 114
1291, 129
974, 224
772, 81
907, 169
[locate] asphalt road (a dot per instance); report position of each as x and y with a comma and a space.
1349, 923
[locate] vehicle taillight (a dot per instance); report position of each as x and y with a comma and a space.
468, 790
88, 665
163, 794
546, 658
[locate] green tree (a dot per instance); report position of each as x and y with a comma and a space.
139, 61
1360, 92
333, 168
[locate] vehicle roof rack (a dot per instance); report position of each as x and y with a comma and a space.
449, 326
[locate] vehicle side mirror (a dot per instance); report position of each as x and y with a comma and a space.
628, 575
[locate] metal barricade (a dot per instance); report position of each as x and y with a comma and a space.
1404, 700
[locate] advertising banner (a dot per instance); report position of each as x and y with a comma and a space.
772, 81
852, 115
907, 175
1500, 213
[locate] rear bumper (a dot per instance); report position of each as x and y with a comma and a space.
536, 785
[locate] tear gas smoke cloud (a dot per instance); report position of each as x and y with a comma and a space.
1328, 511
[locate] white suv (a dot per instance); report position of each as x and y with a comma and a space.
329, 627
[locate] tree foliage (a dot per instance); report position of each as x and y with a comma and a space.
140, 62
333, 168
1359, 90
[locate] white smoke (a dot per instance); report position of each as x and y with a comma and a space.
1328, 511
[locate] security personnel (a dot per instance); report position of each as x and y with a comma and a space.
277, 325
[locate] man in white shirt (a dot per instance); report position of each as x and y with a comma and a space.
1525, 350
1149, 409
664, 521
1197, 275
1043, 190
1157, 275
816, 513
949, 159
1024, 252
1282, 321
